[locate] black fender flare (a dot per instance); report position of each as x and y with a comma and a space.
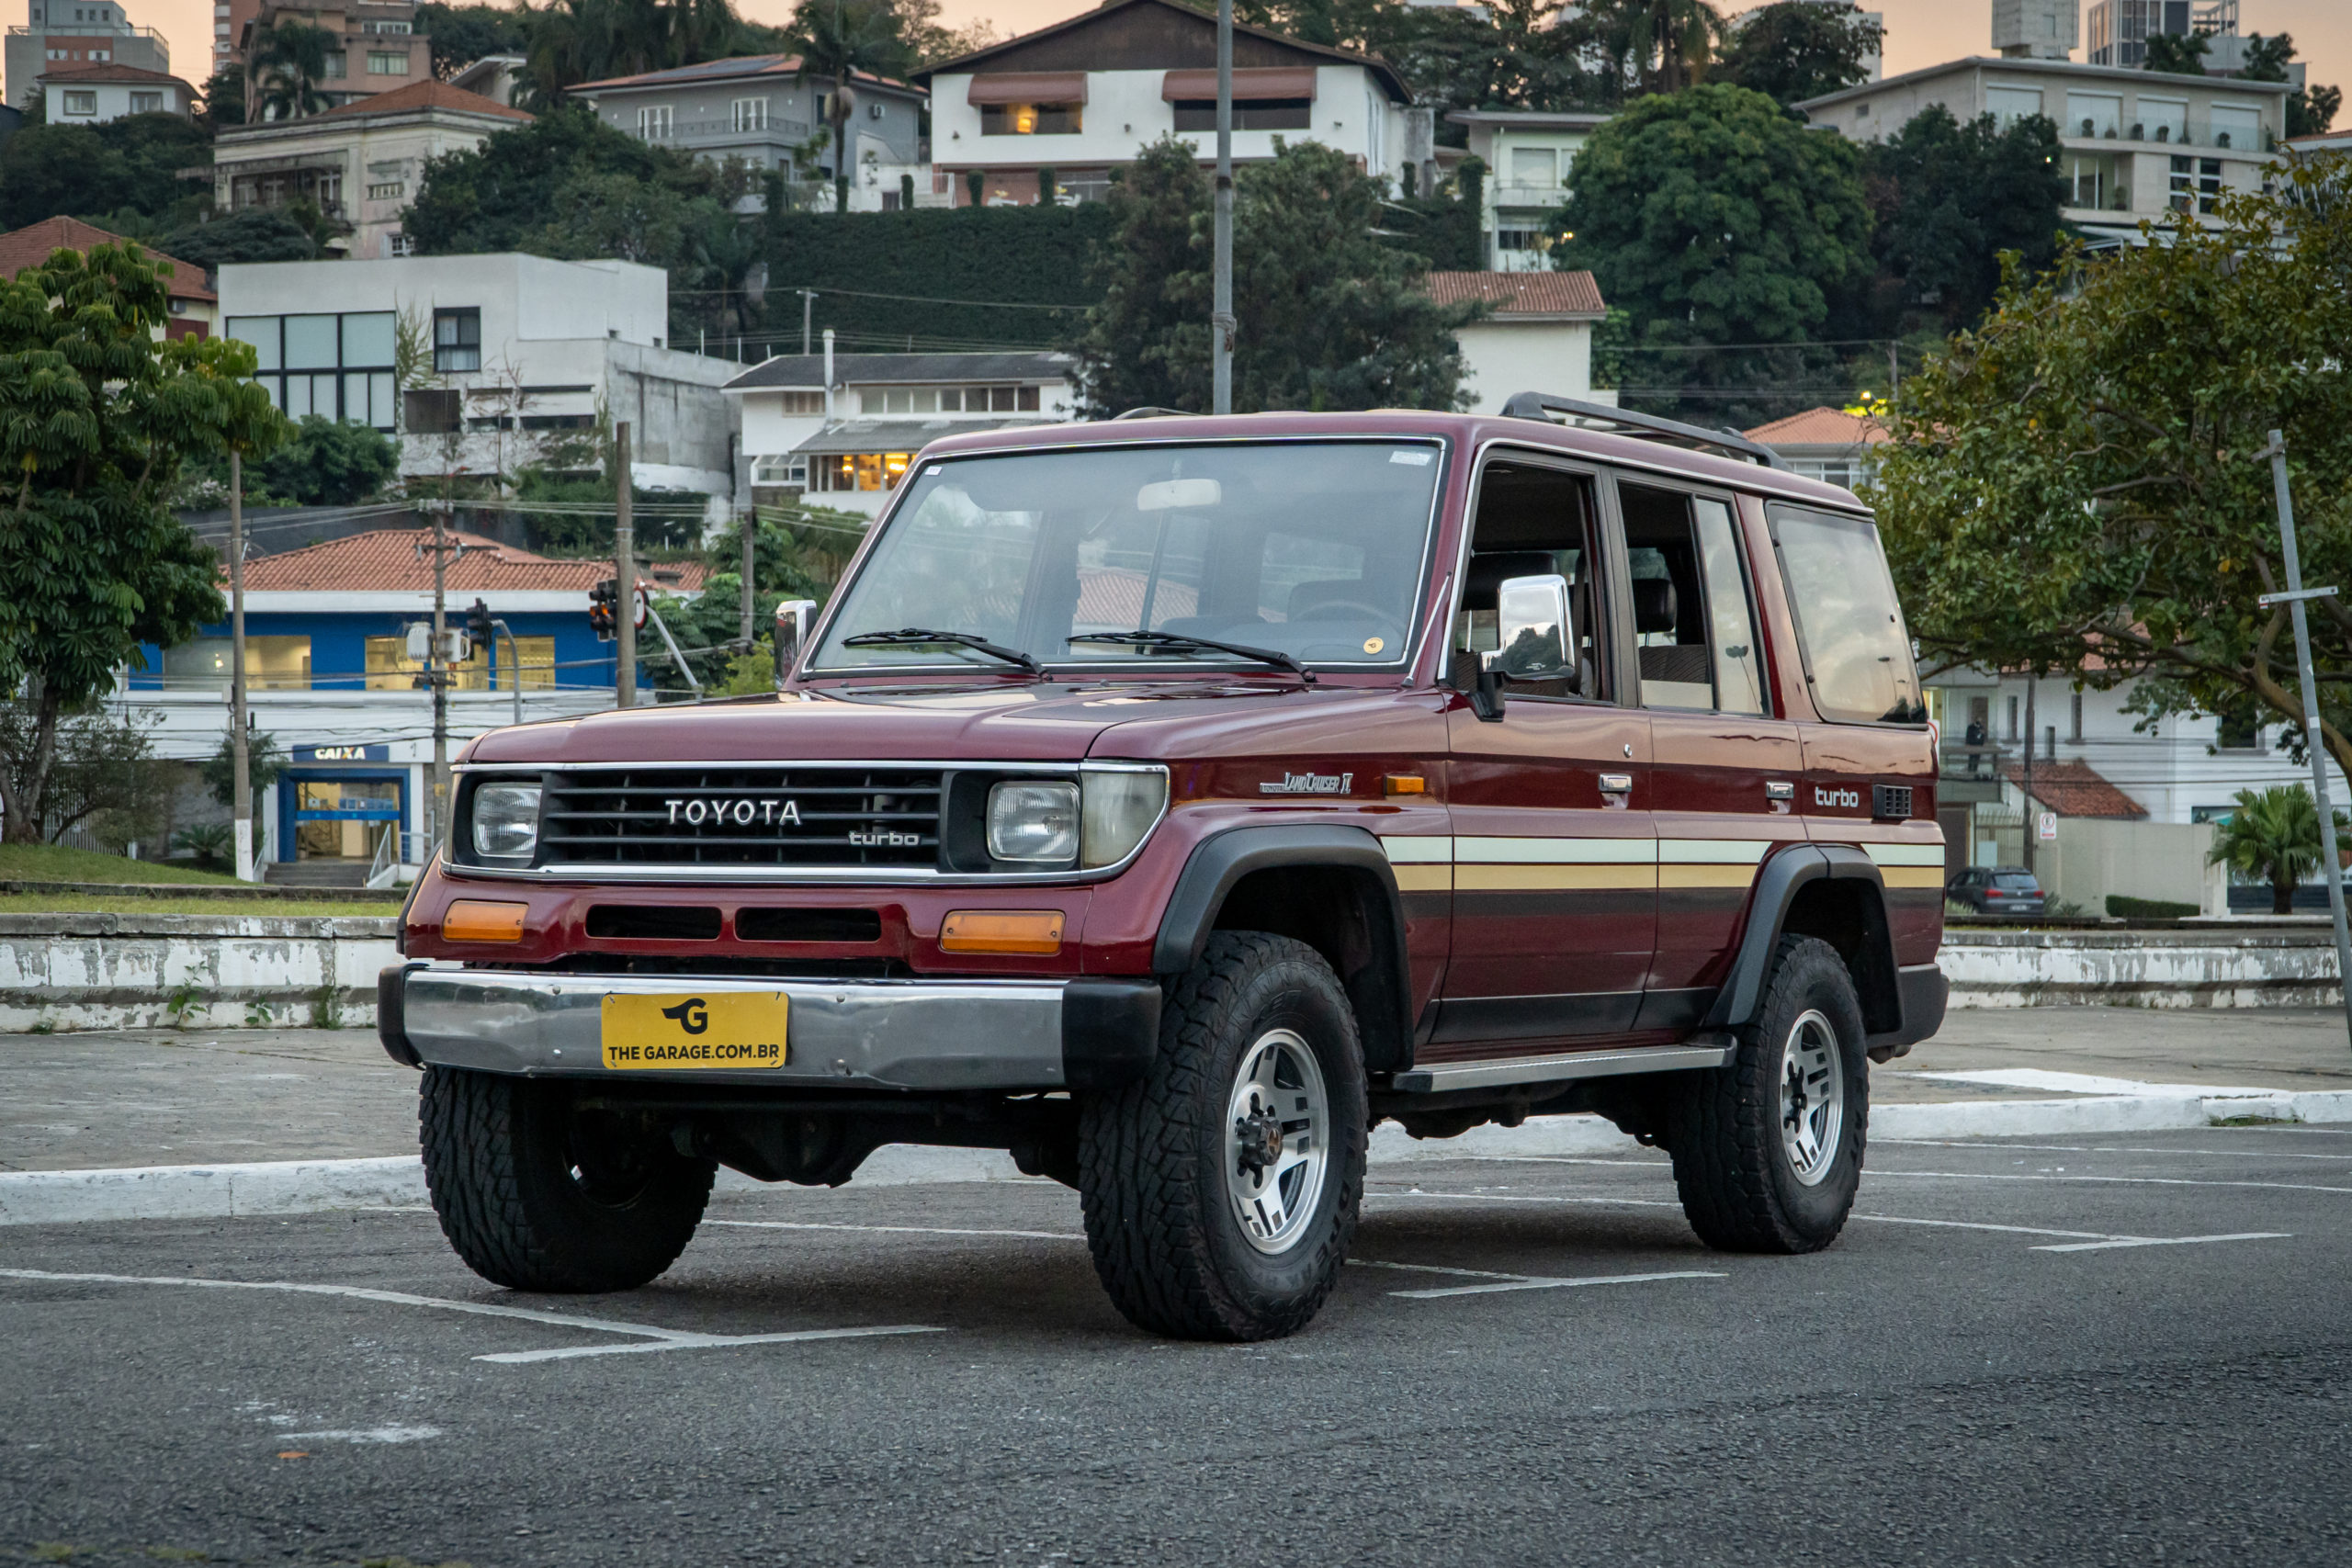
1777, 885
1380, 991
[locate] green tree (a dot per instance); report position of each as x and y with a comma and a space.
124, 174
1950, 199
2177, 54
1792, 50
2078, 486
2273, 836
262, 235
1652, 46
1328, 317
572, 41
290, 61
330, 462
463, 34
2310, 108
106, 774
224, 99
1713, 217
97, 418
841, 40
265, 765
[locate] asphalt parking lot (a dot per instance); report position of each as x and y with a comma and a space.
2125, 1348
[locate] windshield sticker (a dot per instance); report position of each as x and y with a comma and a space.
1412, 459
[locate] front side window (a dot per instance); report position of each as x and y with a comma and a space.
1535, 520
456, 341
1857, 655
1311, 549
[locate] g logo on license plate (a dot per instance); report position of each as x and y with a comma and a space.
673, 1032
692, 1015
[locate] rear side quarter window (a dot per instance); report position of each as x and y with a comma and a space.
1849, 628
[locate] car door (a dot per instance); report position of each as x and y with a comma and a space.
1554, 859
1724, 766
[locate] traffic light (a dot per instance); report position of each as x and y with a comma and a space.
602, 600
478, 623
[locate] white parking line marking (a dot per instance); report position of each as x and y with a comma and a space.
2119, 1181
1532, 1283
1435, 1269
893, 1230
361, 1435
662, 1339
2165, 1241
2104, 1149
2092, 1083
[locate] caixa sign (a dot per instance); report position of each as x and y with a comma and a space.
343, 753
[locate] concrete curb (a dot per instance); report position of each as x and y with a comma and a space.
296, 1187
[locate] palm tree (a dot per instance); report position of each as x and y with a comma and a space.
842, 39
1656, 46
570, 42
290, 61
2273, 836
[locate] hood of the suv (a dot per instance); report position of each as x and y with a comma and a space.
999, 721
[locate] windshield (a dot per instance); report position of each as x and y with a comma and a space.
2018, 880
1312, 550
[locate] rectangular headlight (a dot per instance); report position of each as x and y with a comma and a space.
1120, 808
1033, 823
506, 820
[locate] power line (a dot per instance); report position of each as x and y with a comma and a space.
901, 298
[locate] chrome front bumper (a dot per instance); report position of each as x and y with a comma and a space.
902, 1034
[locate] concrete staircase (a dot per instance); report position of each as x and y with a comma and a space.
316, 874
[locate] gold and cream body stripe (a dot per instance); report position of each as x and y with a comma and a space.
1471, 864
1908, 865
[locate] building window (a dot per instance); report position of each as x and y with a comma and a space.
338, 67
2237, 127
751, 114
2013, 718
899, 400
272, 664
2009, 105
1535, 167
2094, 114
653, 122
1055, 119
146, 103
385, 27
989, 400
800, 402
2241, 730
456, 341
388, 191
859, 470
1257, 113
1521, 240
81, 103
383, 63
785, 469
2196, 184
338, 367
401, 245
2078, 717
432, 411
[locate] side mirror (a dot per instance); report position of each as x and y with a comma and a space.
1531, 631
792, 618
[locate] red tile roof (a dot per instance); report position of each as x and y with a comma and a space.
31, 245
2074, 789
426, 95
734, 68
1521, 293
386, 560
1822, 428
100, 70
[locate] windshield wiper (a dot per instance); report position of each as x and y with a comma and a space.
913, 637
1273, 656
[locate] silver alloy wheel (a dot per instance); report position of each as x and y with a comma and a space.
1277, 1140
1813, 1097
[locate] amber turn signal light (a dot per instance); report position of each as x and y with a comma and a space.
1405, 783
1037, 931
478, 919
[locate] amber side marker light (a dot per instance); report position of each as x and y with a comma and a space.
1035, 932
478, 919
1405, 783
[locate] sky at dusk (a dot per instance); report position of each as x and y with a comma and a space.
1919, 32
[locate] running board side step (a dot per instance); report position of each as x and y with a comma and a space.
1440, 1075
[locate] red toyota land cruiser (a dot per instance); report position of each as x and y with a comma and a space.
1167, 801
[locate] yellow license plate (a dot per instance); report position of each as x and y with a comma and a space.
683, 1030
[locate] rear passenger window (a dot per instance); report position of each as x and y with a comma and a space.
1857, 657
1693, 627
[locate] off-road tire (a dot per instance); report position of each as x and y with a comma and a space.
1159, 1222
1739, 1188
534, 1197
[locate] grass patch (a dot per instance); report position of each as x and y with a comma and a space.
259, 904
55, 863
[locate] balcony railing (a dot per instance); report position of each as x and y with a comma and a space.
2140, 137
780, 132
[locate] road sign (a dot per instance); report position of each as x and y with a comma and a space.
2046, 829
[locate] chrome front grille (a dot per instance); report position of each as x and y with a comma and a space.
742, 816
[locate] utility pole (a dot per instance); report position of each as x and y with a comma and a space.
437, 671
808, 306
2028, 815
2313, 742
240, 746
1221, 323
624, 571
750, 534
1894, 371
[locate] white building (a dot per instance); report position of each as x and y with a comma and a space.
93, 95
2136, 145
1083, 97
1536, 336
1826, 444
77, 32
1528, 154
2037, 29
520, 358
843, 429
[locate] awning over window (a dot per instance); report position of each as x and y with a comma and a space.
1028, 87
1258, 82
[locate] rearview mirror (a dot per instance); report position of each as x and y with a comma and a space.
792, 618
1179, 495
1533, 634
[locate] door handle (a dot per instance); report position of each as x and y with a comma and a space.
1780, 789
1616, 783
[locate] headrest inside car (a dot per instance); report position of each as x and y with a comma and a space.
1654, 607
1489, 572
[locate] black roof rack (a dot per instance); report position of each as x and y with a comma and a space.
1148, 412
1640, 426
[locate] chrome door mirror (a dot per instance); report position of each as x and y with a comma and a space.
1532, 635
792, 620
